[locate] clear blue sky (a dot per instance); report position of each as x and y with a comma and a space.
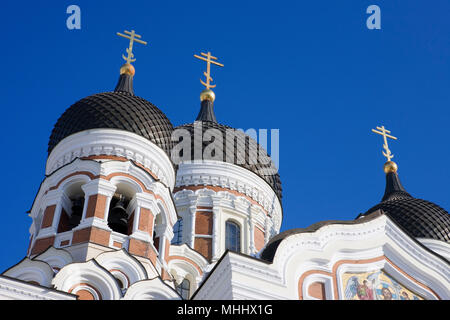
309, 68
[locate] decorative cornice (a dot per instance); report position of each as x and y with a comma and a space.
230, 177
27, 291
111, 142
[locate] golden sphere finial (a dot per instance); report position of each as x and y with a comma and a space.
390, 166
127, 69
207, 94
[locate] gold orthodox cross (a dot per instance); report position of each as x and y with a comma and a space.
133, 38
384, 132
209, 59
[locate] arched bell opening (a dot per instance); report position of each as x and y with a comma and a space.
158, 232
121, 208
118, 216
72, 208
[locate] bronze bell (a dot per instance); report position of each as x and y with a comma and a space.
118, 217
77, 211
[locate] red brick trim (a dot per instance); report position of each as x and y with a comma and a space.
86, 285
117, 244
142, 249
40, 245
96, 206
204, 247
91, 234
258, 238
85, 173
64, 243
146, 221
203, 222
49, 214
317, 290
121, 159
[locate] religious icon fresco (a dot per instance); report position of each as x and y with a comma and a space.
375, 285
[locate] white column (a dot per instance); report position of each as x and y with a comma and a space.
192, 211
216, 240
140, 201
252, 229
267, 226
94, 187
216, 234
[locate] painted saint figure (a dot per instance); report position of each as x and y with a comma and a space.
386, 293
364, 292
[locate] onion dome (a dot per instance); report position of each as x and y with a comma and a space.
263, 166
420, 218
119, 109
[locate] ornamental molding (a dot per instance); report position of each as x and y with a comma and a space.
246, 265
90, 273
226, 200
377, 244
19, 290
153, 289
242, 291
440, 247
31, 270
111, 142
322, 249
318, 240
185, 251
232, 177
56, 258
123, 262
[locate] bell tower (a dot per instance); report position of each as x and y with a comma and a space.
109, 178
228, 191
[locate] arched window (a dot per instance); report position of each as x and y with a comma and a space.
183, 289
177, 232
232, 236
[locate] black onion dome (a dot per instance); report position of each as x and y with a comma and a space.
120, 109
263, 166
420, 218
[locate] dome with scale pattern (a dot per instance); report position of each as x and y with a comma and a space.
121, 110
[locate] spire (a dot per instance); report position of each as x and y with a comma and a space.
207, 96
394, 188
125, 83
206, 111
127, 71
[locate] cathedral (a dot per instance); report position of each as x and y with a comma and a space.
132, 208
